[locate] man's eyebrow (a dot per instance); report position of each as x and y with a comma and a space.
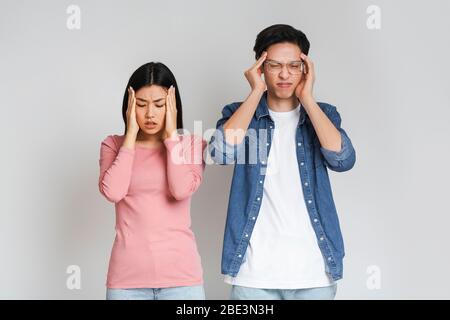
271, 60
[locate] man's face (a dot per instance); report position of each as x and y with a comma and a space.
282, 69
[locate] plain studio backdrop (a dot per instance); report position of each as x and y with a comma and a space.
62, 90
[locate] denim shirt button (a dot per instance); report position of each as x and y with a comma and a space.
302, 163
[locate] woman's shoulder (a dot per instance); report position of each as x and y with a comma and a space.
114, 141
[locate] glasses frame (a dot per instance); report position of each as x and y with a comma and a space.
302, 66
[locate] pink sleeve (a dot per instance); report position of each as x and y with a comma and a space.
185, 165
116, 164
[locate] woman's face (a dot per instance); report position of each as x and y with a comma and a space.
151, 109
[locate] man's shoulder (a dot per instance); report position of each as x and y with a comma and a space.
326, 107
233, 105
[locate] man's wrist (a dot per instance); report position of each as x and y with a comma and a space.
308, 101
257, 91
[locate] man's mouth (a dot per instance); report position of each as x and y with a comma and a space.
284, 84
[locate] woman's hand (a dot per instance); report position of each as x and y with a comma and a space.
171, 114
132, 125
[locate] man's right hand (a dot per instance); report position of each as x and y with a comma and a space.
254, 74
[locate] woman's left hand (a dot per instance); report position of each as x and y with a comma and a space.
171, 114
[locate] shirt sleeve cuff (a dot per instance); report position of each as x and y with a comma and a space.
334, 156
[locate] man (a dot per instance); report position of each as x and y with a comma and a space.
282, 236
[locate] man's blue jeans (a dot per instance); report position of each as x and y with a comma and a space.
246, 293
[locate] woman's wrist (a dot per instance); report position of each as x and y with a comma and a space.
130, 140
173, 136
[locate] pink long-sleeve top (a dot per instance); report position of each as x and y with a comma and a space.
154, 245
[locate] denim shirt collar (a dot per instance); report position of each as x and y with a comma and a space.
263, 109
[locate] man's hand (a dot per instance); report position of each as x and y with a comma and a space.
253, 74
304, 90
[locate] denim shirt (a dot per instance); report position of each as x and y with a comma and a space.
250, 162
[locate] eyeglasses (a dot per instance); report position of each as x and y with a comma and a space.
294, 67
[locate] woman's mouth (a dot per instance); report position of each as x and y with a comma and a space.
150, 124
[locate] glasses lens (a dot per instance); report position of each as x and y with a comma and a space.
295, 68
273, 66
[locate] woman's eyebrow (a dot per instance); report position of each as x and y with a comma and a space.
157, 100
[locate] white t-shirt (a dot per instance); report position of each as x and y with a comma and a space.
283, 252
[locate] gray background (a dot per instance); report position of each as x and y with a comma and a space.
61, 95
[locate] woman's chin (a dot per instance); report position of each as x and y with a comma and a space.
152, 131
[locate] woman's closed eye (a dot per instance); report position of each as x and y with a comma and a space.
156, 105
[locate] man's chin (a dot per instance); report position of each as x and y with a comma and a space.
283, 94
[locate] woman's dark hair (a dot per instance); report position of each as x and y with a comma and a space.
279, 33
153, 73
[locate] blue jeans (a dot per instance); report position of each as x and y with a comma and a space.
173, 293
246, 293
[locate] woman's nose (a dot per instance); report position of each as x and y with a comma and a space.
150, 112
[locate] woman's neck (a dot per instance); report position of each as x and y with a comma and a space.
148, 139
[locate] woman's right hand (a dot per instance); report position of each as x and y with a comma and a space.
132, 125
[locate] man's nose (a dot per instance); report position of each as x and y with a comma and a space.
284, 73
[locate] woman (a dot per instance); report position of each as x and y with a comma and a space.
150, 173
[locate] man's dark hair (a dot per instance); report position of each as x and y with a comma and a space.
279, 33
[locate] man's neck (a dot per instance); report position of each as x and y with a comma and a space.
281, 105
